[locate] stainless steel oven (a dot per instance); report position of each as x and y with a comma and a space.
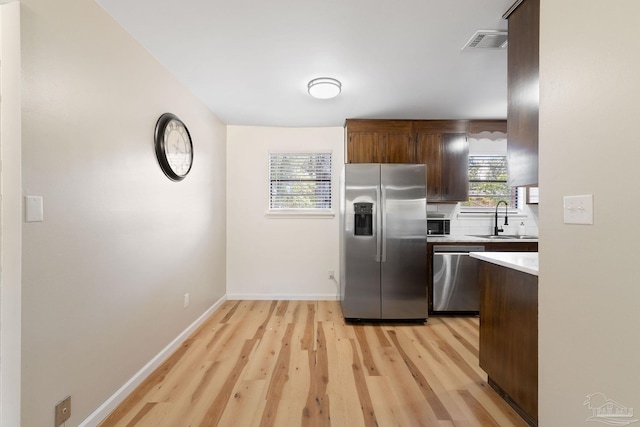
455, 288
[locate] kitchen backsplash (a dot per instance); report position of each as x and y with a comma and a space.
473, 224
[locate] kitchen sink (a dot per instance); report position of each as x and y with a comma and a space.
505, 236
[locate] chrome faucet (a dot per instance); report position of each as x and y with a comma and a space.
497, 230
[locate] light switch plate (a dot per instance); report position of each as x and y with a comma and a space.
34, 211
578, 209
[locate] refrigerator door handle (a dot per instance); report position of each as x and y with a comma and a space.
378, 227
383, 208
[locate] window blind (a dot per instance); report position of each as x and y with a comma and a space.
299, 181
488, 182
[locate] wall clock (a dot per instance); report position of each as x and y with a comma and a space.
173, 147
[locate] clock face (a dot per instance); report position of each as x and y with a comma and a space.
177, 147
173, 147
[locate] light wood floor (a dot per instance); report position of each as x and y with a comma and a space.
296, 363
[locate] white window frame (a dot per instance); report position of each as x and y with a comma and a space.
490, 145
484, 210
293, 212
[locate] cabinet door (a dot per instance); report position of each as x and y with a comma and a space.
396, 147
455, 167
428, 151
522, 93
363, 147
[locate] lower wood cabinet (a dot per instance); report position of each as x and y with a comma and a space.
509, 336
493, 246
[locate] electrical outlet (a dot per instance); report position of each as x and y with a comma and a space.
63, 411
186, 300
331, 274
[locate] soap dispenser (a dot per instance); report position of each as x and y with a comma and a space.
521, 231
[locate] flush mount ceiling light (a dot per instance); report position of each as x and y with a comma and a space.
324, 88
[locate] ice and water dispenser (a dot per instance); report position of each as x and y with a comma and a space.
363, 213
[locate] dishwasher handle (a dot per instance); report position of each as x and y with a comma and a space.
457, 249
453, 253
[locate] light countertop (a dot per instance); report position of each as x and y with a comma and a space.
526, 262
475, 239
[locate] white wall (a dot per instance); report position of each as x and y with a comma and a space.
11, 232
278, 258
465, 224
589, 289
105, 273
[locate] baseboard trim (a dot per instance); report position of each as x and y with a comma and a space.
284, 297
118, 397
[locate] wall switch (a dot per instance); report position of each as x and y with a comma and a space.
578, 209
63, 411
33, 209
186, 300
331, 274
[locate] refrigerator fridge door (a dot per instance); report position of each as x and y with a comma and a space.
360, 291
404, 242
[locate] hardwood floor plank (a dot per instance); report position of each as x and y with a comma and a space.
155, 417
425, 388
282, 308
363, 343
359, 372
246, 404
136, 399
389, 413
444, 388
460, 334
231, 312
298, 363
307, 342
341, 388
382, 337
480, 413
137, 419
279, 378
316, 411
218, 405
406, 392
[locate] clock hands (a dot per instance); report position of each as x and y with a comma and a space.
173, 147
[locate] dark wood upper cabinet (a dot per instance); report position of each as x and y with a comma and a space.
523, 92
440, 144
396, 147
447, 158
362, 147
455, 167
428, 148
378, 141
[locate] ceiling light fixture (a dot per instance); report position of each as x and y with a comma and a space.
324, 88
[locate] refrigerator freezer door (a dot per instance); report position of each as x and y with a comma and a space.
404, 242
361, 288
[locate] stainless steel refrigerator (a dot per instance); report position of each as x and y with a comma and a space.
383, 272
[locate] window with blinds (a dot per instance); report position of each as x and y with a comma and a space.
300, 181
488, 183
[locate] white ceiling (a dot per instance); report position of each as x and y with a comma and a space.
250, 61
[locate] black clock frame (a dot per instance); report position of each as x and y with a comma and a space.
161, 153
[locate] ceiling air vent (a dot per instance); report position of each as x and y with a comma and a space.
487, 39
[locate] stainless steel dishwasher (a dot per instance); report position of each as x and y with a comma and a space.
455, 287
